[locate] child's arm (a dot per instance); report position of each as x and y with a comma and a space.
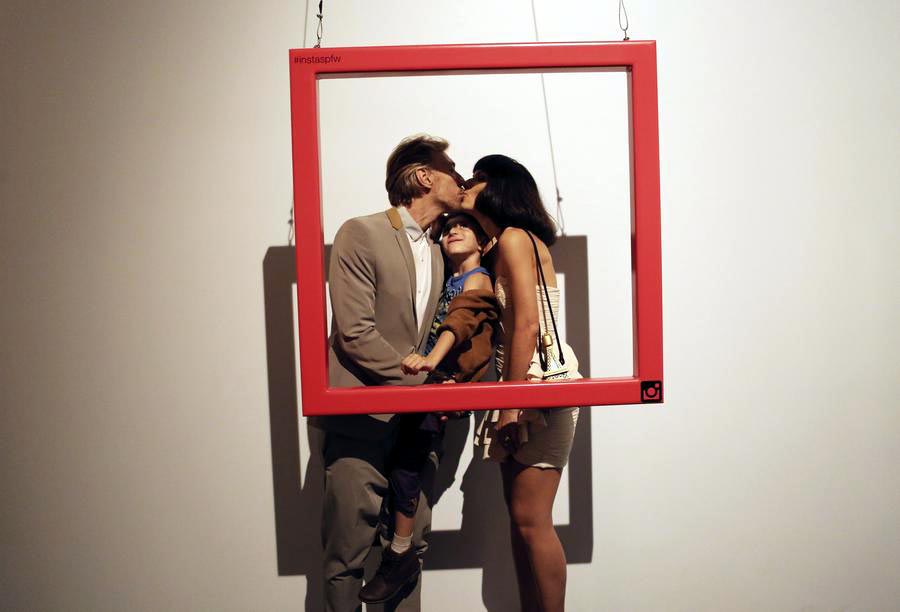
415, 363
477, 281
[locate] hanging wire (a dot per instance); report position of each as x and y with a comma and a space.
318, 45
320, 14
291, 228
624, 12
559, 213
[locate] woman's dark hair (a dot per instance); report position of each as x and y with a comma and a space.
511, 199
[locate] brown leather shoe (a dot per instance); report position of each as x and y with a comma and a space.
394, 573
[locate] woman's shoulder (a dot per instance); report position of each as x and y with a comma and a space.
514, 238
516, 244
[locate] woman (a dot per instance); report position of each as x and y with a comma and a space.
533, 445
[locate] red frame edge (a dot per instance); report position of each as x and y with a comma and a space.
317, 398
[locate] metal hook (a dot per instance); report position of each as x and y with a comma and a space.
291, 228
623, 11
319, 28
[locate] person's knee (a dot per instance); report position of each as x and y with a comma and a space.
350, 512
345, 476
527, 516
406, 485
341, 574
530, 534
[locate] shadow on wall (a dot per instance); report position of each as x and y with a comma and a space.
483, 539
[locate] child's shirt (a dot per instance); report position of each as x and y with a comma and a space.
473, 317
452, 288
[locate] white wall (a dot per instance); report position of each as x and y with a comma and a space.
145, 173
502, 113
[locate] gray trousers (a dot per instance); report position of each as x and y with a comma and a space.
353, 516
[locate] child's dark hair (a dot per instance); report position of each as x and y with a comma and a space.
437, 230
511, 198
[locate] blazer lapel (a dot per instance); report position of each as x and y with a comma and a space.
403, 244
437, 285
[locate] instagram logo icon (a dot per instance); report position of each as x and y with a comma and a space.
651, 391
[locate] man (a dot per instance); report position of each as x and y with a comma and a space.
385, 278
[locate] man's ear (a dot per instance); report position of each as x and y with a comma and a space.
423, 175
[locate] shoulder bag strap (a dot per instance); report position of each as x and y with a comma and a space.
537, 261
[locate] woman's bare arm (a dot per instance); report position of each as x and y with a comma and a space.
516, 256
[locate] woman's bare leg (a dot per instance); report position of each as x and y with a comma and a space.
530, 494
529, 599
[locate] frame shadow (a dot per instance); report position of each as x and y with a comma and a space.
483, 539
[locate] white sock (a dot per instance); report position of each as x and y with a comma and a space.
400, 544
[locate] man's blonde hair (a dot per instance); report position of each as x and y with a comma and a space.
412, 153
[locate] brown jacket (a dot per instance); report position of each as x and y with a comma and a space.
474, 318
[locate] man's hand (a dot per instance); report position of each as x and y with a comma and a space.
415, 363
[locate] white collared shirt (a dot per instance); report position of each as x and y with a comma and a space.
420, 245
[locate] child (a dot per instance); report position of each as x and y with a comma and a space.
459, 349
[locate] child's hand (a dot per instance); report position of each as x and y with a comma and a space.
415, 363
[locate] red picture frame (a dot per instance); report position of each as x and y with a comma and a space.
646, 384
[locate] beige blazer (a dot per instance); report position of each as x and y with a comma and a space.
372, 284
